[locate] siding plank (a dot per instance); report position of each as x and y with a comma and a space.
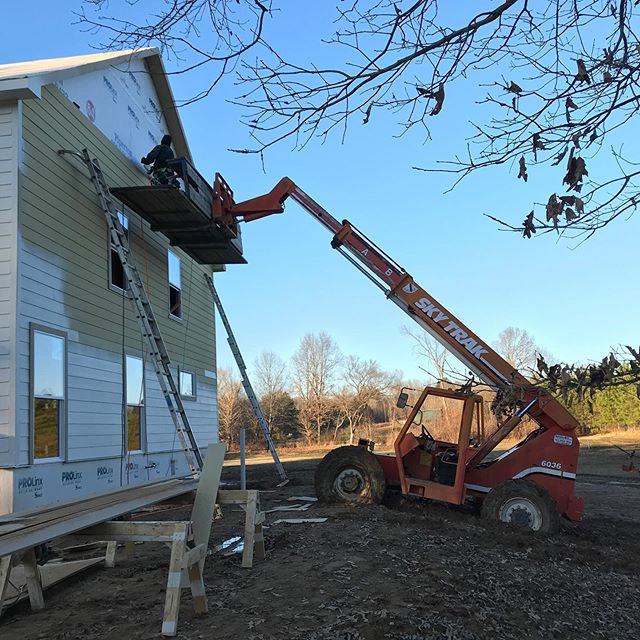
9, 145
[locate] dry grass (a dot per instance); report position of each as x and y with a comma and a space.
600, 456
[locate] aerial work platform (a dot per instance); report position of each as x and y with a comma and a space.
185, 216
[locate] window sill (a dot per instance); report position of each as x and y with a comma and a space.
47, 460
176, 318
116, 289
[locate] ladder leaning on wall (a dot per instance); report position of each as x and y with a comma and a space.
144, 313
246, 383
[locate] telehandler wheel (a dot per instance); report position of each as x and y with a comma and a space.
524, 504
351, 475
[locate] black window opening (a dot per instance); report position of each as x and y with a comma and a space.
117, 277
175, 288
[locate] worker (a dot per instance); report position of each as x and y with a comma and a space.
159, 155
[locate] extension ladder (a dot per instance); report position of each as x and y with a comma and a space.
144, 314
246, 383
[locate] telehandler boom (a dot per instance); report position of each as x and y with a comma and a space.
531, 484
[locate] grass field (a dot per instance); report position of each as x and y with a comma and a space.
600, 457
598, 454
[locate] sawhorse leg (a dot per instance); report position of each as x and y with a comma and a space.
253, 534
197, 589
110, 555
174, 590
6, 562
34, 584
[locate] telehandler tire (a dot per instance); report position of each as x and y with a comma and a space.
524, 504
350, 475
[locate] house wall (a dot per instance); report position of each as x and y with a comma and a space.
64, 285
9, 143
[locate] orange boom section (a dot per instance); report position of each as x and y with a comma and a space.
402, 289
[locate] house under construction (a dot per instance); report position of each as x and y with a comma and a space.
81, 409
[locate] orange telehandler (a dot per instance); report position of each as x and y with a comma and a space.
530, 485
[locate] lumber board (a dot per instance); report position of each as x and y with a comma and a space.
232, 496
73, 519
250, 529
36, 515
205, 500
51, 574
114, 529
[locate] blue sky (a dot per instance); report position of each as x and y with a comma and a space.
577, 301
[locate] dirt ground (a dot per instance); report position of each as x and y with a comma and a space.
401, 571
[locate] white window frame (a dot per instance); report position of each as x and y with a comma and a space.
141, 404
194, 392
173, 284
124, 221
63, 407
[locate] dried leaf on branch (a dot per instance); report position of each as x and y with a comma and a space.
523, 169
569, 104
582, 75
537, 144
514, 88
576, 170
553, 209
438, 96
528, 226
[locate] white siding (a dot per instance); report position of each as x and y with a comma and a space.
9, 142
64, 286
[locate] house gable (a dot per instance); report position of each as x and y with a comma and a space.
122, 102
25, 80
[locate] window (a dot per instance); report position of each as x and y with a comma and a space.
135, 402
48, 383
175, 289
117, 277
187, 385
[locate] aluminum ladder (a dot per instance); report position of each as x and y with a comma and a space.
246, 383
144, 314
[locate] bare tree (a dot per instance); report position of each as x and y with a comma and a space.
561, 76
363, 383
430, 349
518, 348
315, 365
230, 407
271, 381
270, 373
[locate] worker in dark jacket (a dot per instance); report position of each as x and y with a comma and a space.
159, 156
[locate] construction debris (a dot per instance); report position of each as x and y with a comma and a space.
299, 520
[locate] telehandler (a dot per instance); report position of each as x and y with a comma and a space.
531, 484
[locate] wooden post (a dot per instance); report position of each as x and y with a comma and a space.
6, 562
34, 585
259, 534
243, 460
249, 528
110, 555
174, 590
197, 589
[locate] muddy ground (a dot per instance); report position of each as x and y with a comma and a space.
402, 571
